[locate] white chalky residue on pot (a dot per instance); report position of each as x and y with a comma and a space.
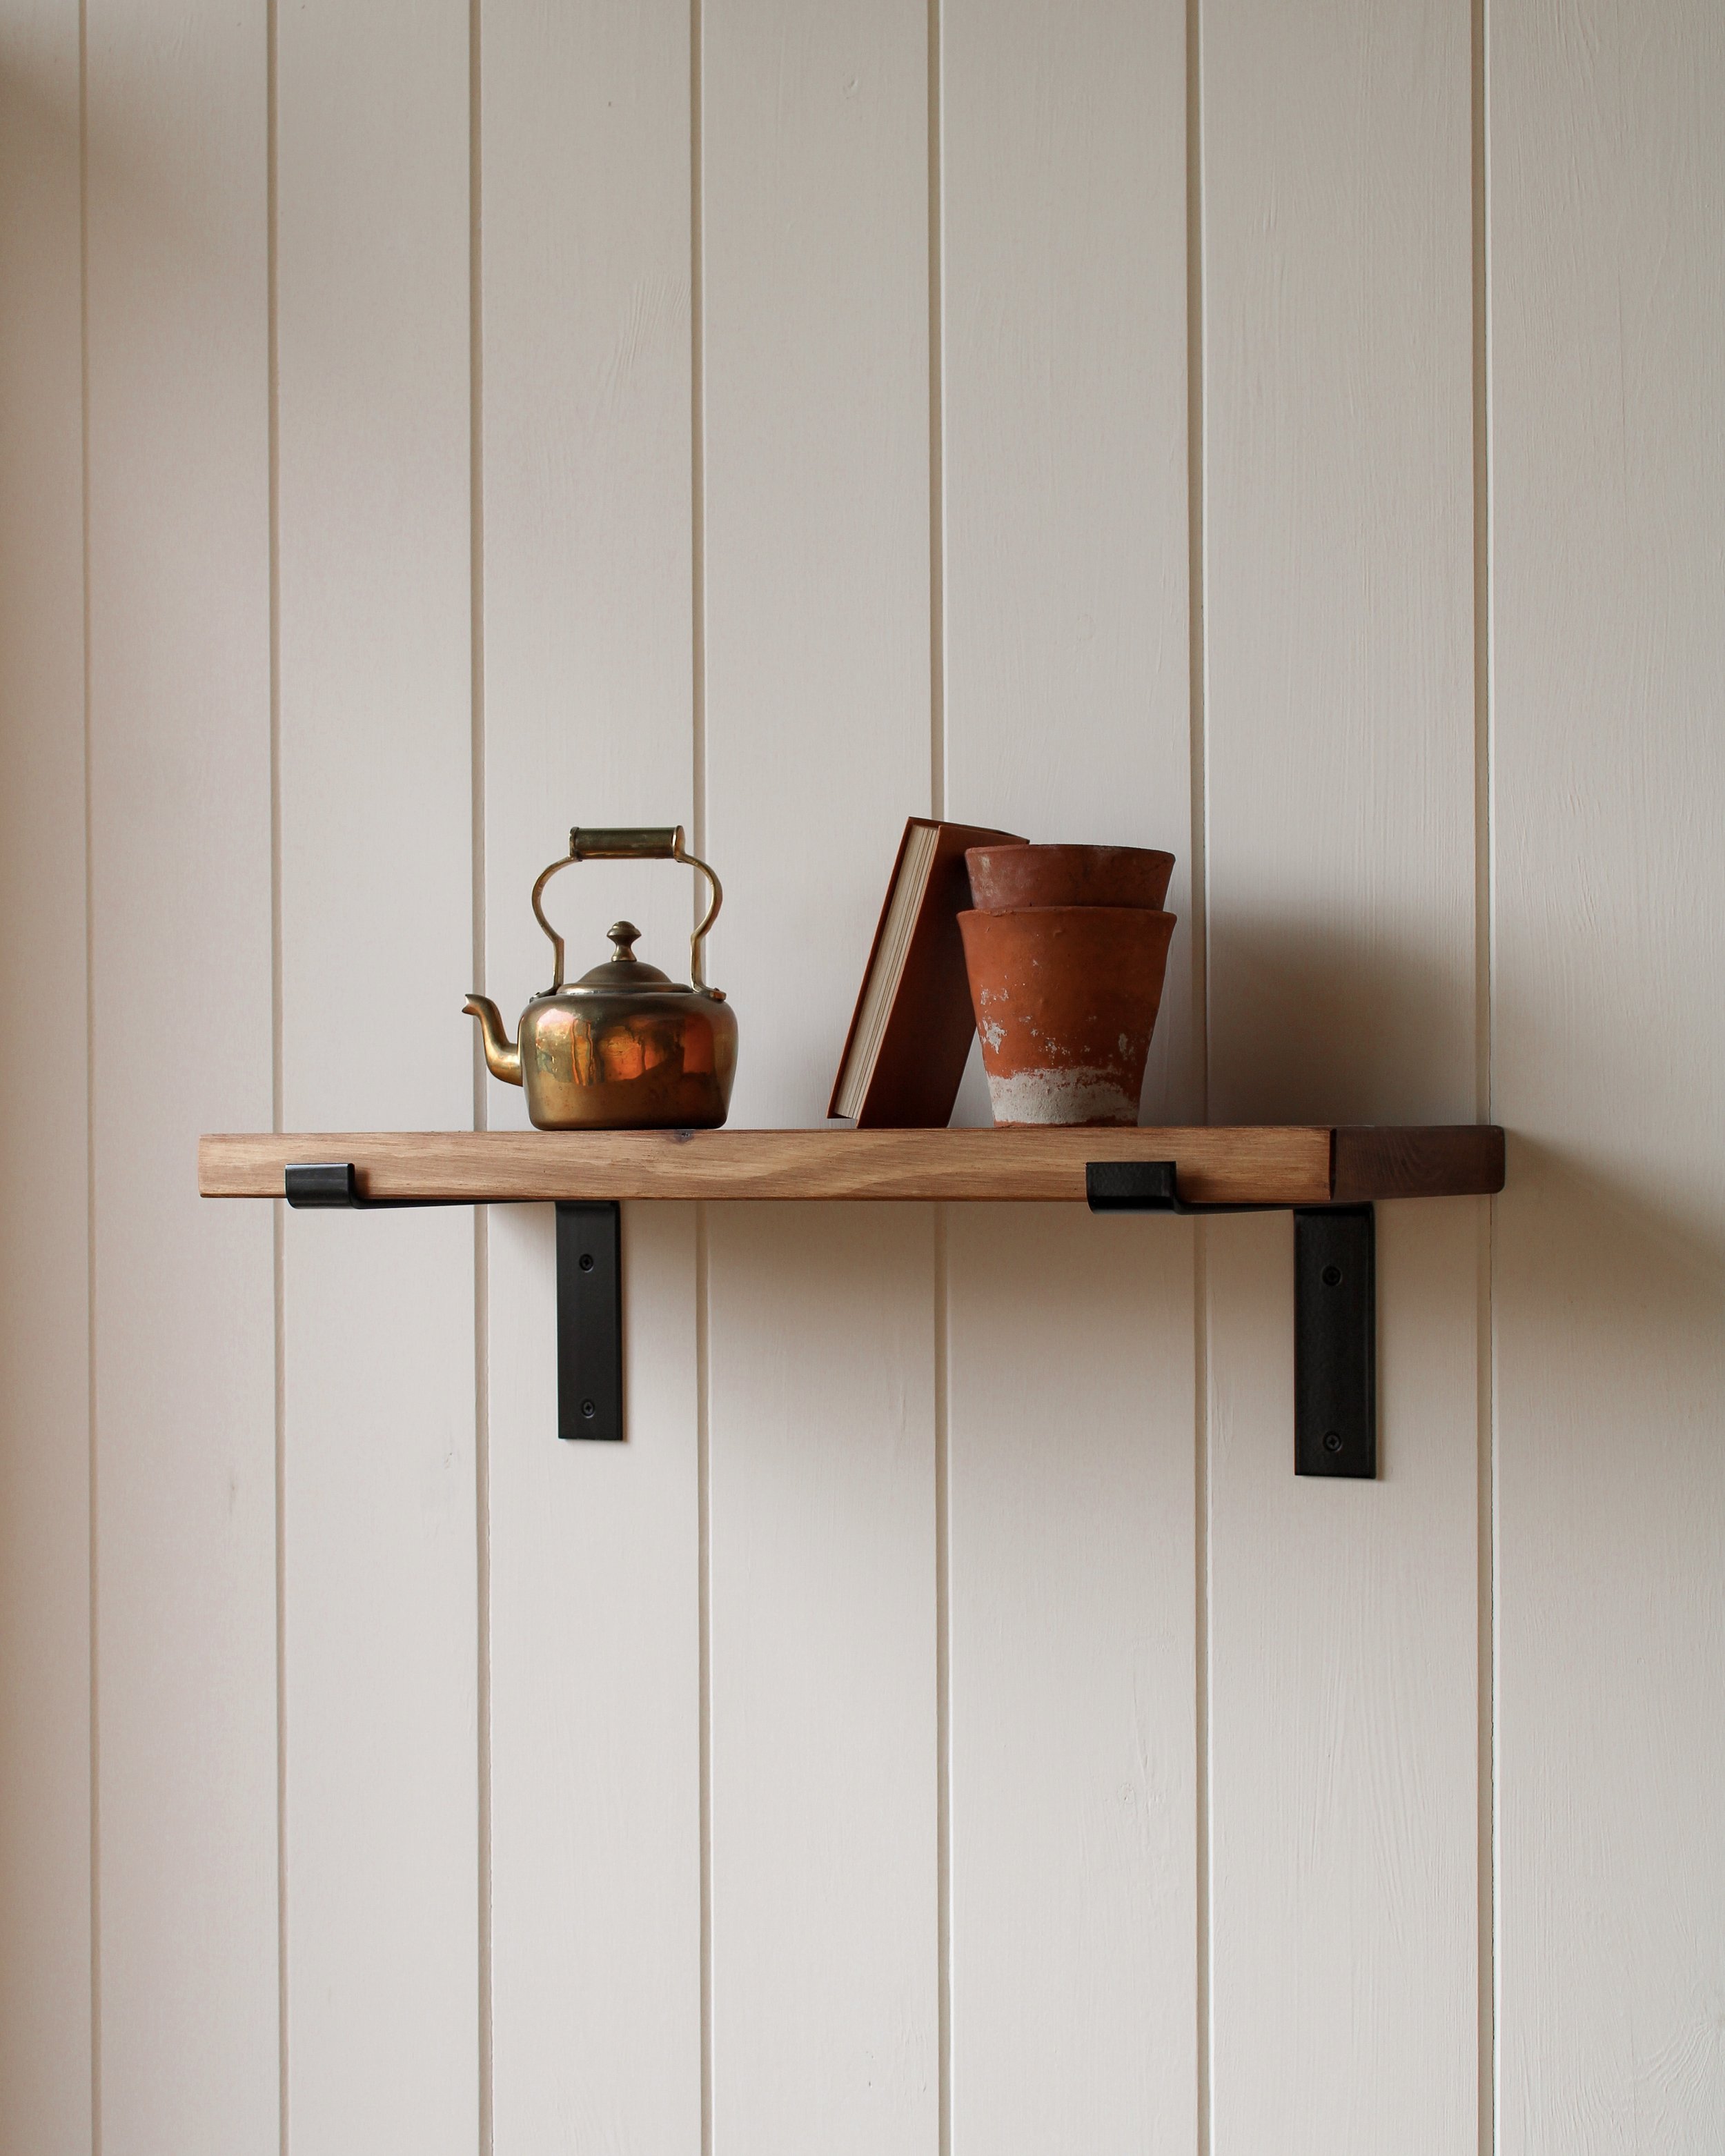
1053, 1096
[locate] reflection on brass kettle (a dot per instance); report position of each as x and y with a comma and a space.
624, 1048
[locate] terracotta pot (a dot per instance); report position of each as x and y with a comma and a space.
1002, 876
1066, 999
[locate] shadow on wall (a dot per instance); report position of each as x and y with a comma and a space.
38, 102
1315, 1020
1604, 1293
124, 152
1600, 1266
1310, 1022
1612, 1247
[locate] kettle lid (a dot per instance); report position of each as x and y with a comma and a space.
622, 971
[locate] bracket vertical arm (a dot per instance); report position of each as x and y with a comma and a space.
590, 1321
1336, 1342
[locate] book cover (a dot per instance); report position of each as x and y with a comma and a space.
912, 1029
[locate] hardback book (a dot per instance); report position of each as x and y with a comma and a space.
912, 1028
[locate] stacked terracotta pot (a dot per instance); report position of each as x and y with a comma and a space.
1067, 947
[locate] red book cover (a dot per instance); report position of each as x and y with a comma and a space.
913, 1027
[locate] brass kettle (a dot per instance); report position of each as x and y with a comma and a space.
625, 1048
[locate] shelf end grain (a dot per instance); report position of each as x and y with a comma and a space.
1429, 1160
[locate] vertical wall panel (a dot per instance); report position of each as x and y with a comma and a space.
1069, 1391
1607, 385
1063, 147
814, 195
44, 1306
179, 833
594, 1574
1340, 803
1070, 1340
824, 1805
1343, 1711
381, 1829
815, 200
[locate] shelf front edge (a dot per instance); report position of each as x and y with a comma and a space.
1269, 1164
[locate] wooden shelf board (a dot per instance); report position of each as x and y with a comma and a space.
1266, 1163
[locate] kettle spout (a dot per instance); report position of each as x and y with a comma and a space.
503, 1058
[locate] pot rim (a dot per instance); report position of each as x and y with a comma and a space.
1072, 846
1089, 912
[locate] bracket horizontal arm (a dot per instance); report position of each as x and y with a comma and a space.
1145, 1186
309, 1184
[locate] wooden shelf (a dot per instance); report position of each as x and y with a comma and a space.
1330, 1176
1253, 1164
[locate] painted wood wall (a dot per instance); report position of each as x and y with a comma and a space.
1291, 436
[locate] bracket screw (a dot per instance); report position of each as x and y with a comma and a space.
1332, 1276
589, 1411
1333, 1440
587, 1262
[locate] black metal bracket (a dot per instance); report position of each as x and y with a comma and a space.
1335, 1310
1336, 1341
590, 1321
589, 1290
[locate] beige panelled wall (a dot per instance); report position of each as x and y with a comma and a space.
1292, 437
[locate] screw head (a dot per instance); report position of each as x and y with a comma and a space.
589, 1411
1333, 1440
1332, 1276
586, 1261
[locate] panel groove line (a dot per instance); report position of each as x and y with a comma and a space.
702, 1285
92, 1450
1199, 901
941, 1284
278, 1041
481, 1225
1484, 1093
94, 1928
1203, 1890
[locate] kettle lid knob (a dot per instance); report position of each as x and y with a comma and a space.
623, 973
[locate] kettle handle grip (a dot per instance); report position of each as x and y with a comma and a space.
638, 843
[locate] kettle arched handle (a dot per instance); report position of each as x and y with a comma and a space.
640, 843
